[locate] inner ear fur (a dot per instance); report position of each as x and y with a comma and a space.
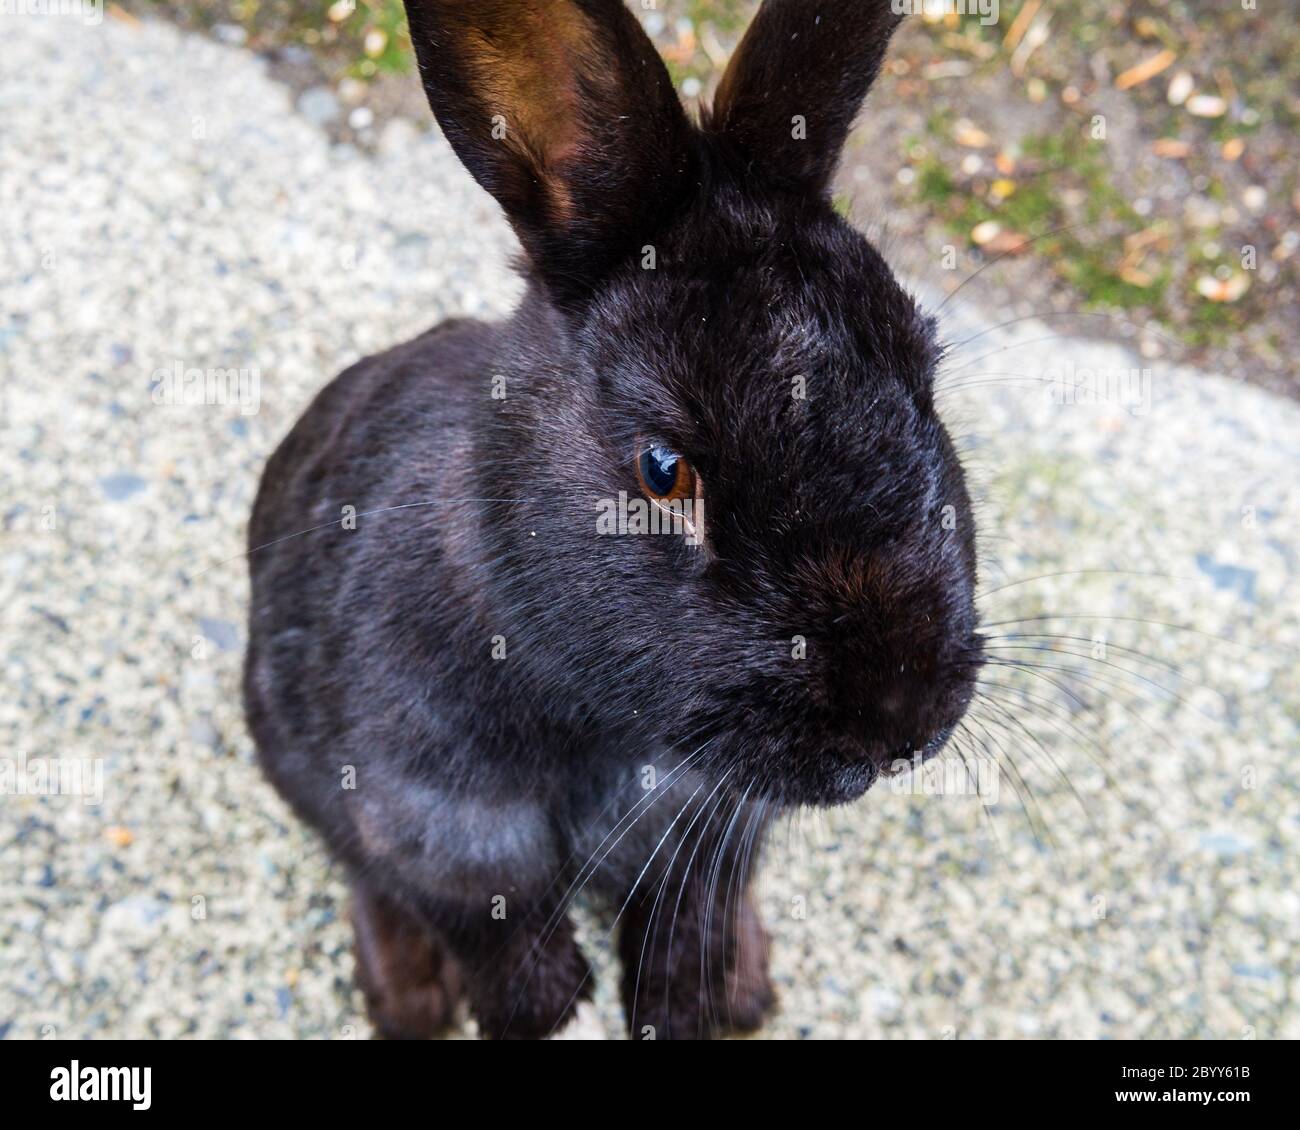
522, 62
563, 110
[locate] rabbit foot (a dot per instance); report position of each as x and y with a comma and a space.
549, 980
747, 995
698, 992
410, 982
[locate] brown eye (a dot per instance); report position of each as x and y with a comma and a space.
664, 473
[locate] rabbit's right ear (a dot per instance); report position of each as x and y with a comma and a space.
562, 110
792, 89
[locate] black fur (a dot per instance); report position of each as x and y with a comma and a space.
654, 705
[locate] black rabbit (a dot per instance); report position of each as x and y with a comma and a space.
489, 690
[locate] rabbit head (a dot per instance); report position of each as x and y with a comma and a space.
709, 352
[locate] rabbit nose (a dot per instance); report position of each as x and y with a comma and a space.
910, 716
891, 703
887, 759
902, 703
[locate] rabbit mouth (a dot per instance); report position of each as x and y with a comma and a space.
846, 769
909, 758
851, 782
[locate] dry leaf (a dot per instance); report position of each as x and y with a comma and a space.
1233, 148
119, 836
969, 135
683, 51
1021, 24
949, 68
1170, 147
1222, 290
1002, 188
1136, 245
1255, 197
1005, 163
1007, 243
718, 54
1227, 87
1206, 106
1034, 39
1180, 86
1139, 240
1145, 70
996, 240
963, 43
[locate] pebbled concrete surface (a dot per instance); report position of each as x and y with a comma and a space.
161, 202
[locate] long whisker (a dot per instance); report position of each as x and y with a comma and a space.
1041, 315
959, 739
1011, 719
1003, 644
1120, 619
1138, 655
1037, 671
1019, 247
1083, 573
707, 978
652, 921
1030, 701
1035, 818
667, 832
1084, 673
588, 869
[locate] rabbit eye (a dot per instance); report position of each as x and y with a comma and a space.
664, 473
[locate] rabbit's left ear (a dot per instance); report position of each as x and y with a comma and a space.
563, 110
791, 91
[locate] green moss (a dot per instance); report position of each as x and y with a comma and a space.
272, 24
1082, 244
935, 184
729, 16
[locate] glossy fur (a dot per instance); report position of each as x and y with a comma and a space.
483, 703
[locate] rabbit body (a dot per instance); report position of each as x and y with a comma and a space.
486, 701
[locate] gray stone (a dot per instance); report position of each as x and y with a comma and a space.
318, 105
121, 485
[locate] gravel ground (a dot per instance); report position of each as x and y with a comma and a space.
164, 204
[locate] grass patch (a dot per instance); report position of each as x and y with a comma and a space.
1065, 200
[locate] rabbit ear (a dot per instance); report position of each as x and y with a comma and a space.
562, 110
792, 89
